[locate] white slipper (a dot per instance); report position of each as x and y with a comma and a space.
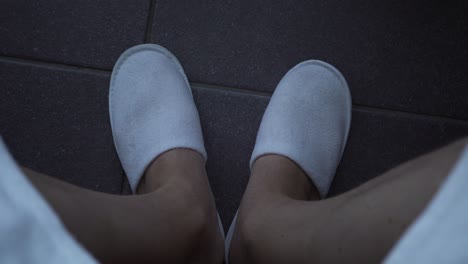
307, 120
151, 109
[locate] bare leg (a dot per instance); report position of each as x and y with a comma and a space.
174, 220
278, 222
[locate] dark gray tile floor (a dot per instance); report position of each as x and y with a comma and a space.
403, 55
87, 32
405, 63
55, 120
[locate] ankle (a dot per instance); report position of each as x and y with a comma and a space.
176, 165
278, 175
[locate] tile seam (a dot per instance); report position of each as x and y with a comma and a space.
219, 88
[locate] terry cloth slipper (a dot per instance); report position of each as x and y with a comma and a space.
151, 109
307, 120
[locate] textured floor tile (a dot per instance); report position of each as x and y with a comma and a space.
56, 121
404, 55
378, 141
89, 32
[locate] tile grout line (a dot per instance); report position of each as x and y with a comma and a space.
366, 108
149, 22
107, 72
358, 107
52, 64
207, 86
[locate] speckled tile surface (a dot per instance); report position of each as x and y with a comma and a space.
55, 120
86, 32
404, 55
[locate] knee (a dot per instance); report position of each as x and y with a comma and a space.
245, 238
195, 216
186, 208
254, 237
274, 233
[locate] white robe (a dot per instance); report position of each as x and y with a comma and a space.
30, 231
